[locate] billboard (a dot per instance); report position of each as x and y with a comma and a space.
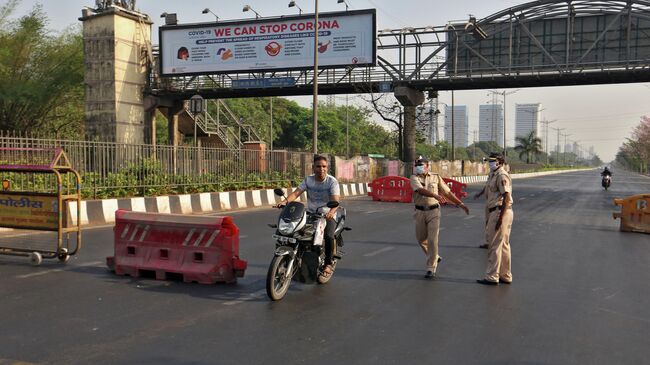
285, 43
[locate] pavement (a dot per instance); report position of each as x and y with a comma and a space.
580, 294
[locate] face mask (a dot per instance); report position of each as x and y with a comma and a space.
419, 169
493, 165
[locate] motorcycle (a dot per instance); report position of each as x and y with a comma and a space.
606, 182
300, 247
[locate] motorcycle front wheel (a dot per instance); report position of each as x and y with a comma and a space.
277, 282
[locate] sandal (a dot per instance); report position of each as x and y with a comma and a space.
328, 271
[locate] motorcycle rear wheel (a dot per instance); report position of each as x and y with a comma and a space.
277, 282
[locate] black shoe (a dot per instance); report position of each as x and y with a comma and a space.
504, 282
483, 246
487, 282
429, 275
439, 258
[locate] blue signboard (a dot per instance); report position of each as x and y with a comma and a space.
264, 83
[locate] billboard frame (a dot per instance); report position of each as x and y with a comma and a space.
372, 12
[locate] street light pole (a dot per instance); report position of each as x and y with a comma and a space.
453, 127
564, 160
546, 123
315, 101
271, 137
347, 125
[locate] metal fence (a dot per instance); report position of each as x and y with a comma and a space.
117, 169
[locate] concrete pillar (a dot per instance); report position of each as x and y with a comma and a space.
116, 73
410, 99
172, 123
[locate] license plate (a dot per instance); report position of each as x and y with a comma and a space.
284, 239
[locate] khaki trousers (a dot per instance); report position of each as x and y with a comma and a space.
427, 226
498, 266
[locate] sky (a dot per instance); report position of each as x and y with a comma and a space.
599, 116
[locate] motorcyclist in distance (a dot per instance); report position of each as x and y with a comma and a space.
606, 172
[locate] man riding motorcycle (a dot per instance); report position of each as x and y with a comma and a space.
606, 172
321, 188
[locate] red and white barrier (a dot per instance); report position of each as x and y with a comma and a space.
202, 249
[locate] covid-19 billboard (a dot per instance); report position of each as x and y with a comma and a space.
285, 43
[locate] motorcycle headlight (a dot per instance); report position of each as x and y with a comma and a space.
286, 227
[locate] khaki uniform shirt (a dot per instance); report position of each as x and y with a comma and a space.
499, 184
432, 182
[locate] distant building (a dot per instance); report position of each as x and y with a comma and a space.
461, 125
490, 123
527, 119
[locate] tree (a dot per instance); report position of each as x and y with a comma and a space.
529, 146
635, 152
41, 75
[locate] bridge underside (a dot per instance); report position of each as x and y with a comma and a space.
477, 83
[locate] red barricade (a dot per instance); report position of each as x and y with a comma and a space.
398, 189
456, 188
391, 189
202, 249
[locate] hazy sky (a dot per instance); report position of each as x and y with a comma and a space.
602, 116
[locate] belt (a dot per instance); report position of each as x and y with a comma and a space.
430, 207
500, 207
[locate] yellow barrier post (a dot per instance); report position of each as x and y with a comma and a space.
634, 214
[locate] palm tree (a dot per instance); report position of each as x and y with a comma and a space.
529, 145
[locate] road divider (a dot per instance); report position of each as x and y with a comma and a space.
202, 249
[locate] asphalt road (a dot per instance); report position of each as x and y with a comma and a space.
580, 294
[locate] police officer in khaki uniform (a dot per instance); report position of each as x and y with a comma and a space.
428, 189
487, 213
499, 206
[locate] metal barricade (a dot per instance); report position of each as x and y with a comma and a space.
37, 185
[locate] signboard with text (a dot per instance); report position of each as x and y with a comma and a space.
286, 43
29, 211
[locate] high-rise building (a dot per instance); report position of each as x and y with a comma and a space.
527, 119
461, 125
490, 123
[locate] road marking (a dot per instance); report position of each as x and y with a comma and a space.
523, 198
374, 211
246, 298
40, 273
381, 250
468, 217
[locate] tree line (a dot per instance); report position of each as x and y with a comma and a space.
634, 154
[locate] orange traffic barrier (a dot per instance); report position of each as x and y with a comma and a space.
201, 249
391, 189
634, 214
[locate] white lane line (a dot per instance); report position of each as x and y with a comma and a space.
243, 236
374, 211
468, 217
381, 250
40, 273
522, 198
252, 296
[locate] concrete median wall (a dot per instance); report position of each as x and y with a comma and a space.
102, 212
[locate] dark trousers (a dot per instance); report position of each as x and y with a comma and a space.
330, 228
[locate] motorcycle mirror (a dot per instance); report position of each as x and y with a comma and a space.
278, 192
333, 204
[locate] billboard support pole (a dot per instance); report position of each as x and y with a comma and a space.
315, 101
